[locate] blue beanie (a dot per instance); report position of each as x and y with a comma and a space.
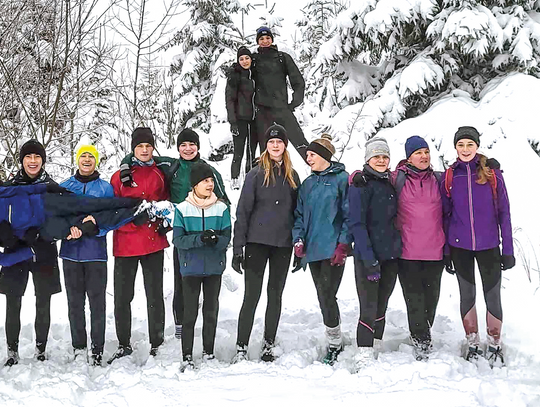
414, 143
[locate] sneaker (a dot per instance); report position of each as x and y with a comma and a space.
96, 359
120, 353
187, 364
40, 352
153, 351
241, 354
178, 331
473, 351
80, 354
332, 355
495, 356
13, 358
235, 184
208, 357
421, 349
363, 357
267, 354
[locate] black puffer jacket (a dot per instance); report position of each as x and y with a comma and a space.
265, 214
271, 69
239, 94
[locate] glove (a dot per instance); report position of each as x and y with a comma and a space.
141, 218
340, 255
507, 261
209, 237
299, 250
374, 272
448, 264
164, 227
125, 175
9, 240
234, 130
238, 263
297, 264
54, 188
359, 180
88, 228
493, 164
31, 236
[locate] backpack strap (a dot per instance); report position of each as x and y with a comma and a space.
448, 177
493, 183
438, 176
401, 177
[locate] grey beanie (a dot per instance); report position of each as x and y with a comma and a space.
376, 146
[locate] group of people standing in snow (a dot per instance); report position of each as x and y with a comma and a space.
408, 223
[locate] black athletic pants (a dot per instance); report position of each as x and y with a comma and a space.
373, 296
41, 325
421, 285
125, 270
246, 131
81, 279
211, 286
257, 256
327, 279
267, 116
178, 297
489, 264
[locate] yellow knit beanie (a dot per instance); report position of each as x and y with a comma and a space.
87, 148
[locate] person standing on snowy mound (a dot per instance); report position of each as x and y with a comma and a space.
201, 233
263, 234
420, 222
239, 100
272, 68
476, 212
177, 172
377, 245
85, 262
321, 234
139, 243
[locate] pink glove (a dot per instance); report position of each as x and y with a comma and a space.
299, 250
340, 255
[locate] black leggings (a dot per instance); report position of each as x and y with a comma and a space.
327, 279
192, 289
246, 131
257, 255
41, 324
178, 297
373, 296
489, 264
421, 285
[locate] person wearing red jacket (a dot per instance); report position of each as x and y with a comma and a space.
136, 242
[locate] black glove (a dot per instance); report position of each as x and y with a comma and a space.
448, 264
88, 228
54, 188
141, 218
359, 180
493, 164
125, 175
234, 130
9, 240
297, 264
507, 261
238, 263
31, 236
209, 237
163, 227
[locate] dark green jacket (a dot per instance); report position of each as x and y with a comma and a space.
177, 172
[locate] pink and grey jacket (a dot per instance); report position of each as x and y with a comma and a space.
420, 214
473, 220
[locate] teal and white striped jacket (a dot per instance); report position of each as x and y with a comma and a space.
196, 258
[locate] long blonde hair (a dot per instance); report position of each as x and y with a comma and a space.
267, 165
483, 172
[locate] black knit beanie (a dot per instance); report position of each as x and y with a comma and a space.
142, 135
32, 146
276, 131
263, 31
467, 132
200, 171
188, 135
243, 51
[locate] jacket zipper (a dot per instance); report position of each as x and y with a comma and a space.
203, 228
471, 211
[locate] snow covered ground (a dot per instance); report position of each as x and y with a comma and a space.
507, 117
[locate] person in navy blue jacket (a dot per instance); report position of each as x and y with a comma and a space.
85, 262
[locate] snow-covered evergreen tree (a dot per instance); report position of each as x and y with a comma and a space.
407, 54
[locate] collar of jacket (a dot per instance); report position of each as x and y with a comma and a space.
267, 50
411, 170
370, 172
462, 164
21, 178
334, 168
86, 178
193, 161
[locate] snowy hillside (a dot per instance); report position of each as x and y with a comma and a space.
507, 116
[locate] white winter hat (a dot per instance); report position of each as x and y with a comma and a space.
376, 146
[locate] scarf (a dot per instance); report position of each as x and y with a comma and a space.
201, 203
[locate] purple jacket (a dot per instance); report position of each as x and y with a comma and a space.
472, 219
420, 215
